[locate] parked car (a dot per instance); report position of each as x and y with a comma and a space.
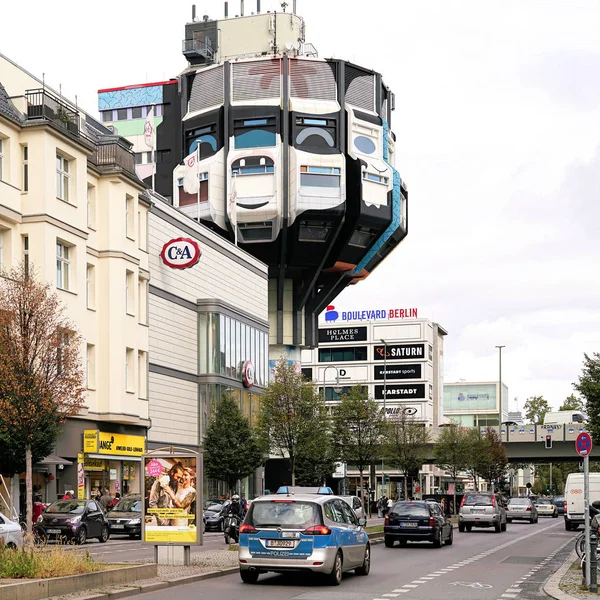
522, 509
417, 521
559, 502
11, 534
546, 508
73, 520
214, 516
356, 504
213, 501
126, 517
482, 509
317, 533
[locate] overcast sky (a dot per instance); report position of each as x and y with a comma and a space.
497, 121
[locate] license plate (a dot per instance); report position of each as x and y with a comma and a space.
280, 543
409, 524
478, 511
53, 530
118, 526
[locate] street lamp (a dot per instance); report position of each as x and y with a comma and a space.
384, 402
337, 389
499, 391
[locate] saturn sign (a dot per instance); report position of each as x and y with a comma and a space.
180, 253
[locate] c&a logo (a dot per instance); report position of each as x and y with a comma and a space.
331, 314
180, 253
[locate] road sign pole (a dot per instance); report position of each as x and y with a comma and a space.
586, 508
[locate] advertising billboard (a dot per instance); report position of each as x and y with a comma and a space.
171, 502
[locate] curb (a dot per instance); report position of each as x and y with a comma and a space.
552, 586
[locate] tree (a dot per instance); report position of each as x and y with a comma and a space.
494, 465
451, 452
405, 445
589, 387
572, 402
358, 430
476, 457
535, 409
41, 374
316, 458
292, 415
231, 451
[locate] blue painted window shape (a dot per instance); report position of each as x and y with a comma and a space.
375, 178
261, 170
309, 131
318, 122
324, 170
364, 144
204, 139
256, 138
254, 122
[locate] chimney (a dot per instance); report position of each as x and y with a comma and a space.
226, 9
258, 7
193, 12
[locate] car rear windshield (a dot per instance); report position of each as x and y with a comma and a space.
543, 501
72, 507
288, 514
518, 501
559, 498
128, 505
478, 500
409, 509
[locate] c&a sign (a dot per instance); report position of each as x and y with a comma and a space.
180, 253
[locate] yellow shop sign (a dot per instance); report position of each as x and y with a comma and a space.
120, 444
90, 441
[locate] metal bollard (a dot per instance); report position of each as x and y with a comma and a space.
593, 561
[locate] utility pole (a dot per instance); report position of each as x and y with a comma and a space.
499, 392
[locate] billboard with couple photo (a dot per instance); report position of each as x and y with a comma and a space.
171, 502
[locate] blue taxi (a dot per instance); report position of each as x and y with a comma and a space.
293, 530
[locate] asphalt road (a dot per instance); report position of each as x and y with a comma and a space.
481, 565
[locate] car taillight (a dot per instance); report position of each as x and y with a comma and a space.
387, 517
528, 508
317, 530
493, 500
462, 502
245, 528
431, 522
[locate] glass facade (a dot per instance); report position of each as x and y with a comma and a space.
470, 397
225, 344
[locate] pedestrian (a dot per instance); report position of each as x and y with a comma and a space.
105, 499
384, 504
114, 501
390, 503
68, 495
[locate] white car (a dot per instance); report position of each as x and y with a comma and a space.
10, 533
546, 508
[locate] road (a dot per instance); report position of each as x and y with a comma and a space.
481, 565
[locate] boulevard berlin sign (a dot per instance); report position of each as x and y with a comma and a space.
382, 314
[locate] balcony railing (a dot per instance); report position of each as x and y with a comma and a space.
45, 106
198, 48
113, 156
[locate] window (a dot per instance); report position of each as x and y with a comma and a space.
256, 232
91, 206
204, 139
138, 158
374, 177
331, 394
325, 177
90, 286
142, 374
62, 178
129, 292
63, 264
255, 133
129, 380
1, 159
136, 112
143, 301
107, 116
314, 231
25, 170
26, 253
362, 237
129, 220
64, 342
316, 134
91, 366
122, 114
343, 354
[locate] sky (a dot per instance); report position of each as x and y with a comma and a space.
497, 122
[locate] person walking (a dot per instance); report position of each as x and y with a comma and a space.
105, 499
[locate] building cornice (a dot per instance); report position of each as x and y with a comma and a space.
44, 218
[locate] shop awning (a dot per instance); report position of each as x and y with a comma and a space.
116, 457
52, 459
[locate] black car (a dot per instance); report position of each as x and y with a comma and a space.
126, 517
559, 502
417, 521
214, 515
73, 520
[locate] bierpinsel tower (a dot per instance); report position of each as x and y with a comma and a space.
288, 154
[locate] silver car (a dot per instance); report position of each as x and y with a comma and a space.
10, 533
482, 509
521, 509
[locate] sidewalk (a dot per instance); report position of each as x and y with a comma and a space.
565, 584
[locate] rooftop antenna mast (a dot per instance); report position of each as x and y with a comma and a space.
226, 9
284, 5
241, 8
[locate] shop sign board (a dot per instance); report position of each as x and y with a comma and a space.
180, 253
93, 464
399, 352
121, 444
413, 371
405, 391
342, 334
248, 374
90, 441
80, 476
170, 484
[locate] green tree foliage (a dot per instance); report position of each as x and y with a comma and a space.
588, 386
536, 408
231, 451
405, 445
495, 461
572, 402
358, 430
476, 457
452, 452
293, 420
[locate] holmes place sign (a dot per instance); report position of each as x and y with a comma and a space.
343, 334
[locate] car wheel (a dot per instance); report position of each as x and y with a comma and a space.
104, 535
249, 576
335, 577
469, 527
535, 520
389, 542
450, 539
134, 536
81, 536
509, 520
437, 542
503, 526
11, 546
220, 527
226, 539
555, 516
461, 527
403, 542
497, 527
366, 566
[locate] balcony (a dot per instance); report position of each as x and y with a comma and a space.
112, 155
198, 49
42, 106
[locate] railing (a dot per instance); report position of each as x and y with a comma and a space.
202, 48
44, 106
113, 155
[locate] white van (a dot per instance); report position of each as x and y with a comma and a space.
562, 417
574, 514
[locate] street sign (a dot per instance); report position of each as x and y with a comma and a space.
583, 444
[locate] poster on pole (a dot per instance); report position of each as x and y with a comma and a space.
171, 500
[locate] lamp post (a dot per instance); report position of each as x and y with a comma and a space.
384, 402
499, 391
337, 388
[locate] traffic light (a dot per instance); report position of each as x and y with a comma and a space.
548, 441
